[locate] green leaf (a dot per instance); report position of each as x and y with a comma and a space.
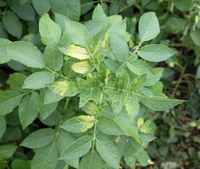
108, 126
25, 53
195, 35
21, 164
154, 76
98, 14
108, 151
3, 33
77, 149
63, 141
2, 125
39, 80
28, 109
7, 150
39, 138
12, 24
79, 124
119, 47
183, 5
16, 80
148, 26
49, 30
139, 67
91, 161
69, 8
41, 7
9, 100
4, 57
159, 103
77, 33
61, 20
155, 52
128, 125
53, 57
45, 158
24, 11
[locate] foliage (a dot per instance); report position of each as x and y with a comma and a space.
83, 94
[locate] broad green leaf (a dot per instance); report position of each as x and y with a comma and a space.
77, 33
76, 52
91, 161
63, 141
47, 109
195, 35
159, 103
24, 11
183, 5
12, 24
2, 125
41, 7
39, 138
108, 126
128, 125
7, 150
53, 57
132, 105
81, 67
29, 109
65, 88
79, 124
108, 151
4, 57
16, 80
26, 53
69, 8
119, 47
78, 148
139, 67
148, 26
45, 158
51, 97
98, 14
49, 30
61, 20
39, 80
21, 164
3, 33
9, 100
154, 76
155, 52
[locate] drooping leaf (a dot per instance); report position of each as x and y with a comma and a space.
148, 26
39, 138
155, 52
108, 151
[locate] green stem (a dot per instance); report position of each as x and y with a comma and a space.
50, 70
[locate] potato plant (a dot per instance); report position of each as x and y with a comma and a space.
80, 99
